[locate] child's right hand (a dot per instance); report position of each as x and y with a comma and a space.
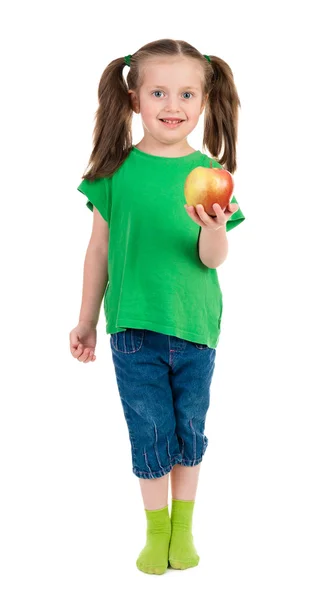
83, 339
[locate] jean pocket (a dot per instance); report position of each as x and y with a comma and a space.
127, 342
201, 346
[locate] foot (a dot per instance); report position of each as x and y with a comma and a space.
182, 553
154, 557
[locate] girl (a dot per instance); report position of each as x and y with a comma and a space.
154, 261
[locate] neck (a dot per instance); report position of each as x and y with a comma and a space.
166, 150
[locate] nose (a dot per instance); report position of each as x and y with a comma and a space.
172, 103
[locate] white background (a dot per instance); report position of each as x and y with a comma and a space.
71, 515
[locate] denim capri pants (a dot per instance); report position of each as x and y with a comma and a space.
164, 386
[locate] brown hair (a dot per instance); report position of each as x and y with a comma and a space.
112, 132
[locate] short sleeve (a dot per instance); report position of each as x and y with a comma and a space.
236, 218
97, 194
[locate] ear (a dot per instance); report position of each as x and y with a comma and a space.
204, 102
134, 101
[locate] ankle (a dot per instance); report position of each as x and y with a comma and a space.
158, 521
182, 515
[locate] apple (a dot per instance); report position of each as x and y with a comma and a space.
208, 186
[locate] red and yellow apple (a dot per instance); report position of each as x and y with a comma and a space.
208, 186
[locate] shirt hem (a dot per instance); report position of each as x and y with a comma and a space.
189, 336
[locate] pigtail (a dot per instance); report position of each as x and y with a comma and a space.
112, 136
221, 115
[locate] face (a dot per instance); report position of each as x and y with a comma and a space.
171, 89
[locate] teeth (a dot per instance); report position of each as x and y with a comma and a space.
166, 121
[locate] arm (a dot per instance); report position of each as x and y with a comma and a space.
213, 247
95, 271
213, 241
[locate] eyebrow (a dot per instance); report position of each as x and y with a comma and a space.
186, 87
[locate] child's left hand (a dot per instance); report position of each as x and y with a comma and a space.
199, 215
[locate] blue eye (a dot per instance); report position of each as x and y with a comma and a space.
160, 92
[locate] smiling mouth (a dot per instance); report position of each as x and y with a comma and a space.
172, 121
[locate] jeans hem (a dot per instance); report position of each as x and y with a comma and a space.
156, 474
192, 463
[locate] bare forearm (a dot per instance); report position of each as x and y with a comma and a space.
213, 247
94, 283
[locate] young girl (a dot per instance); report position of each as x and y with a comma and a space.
154, 261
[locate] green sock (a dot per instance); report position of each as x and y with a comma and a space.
154, 557
182, 553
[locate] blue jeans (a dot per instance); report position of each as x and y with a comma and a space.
164, 386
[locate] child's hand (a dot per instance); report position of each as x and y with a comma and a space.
83, 339
199, 215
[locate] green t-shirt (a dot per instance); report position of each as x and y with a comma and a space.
156, 279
